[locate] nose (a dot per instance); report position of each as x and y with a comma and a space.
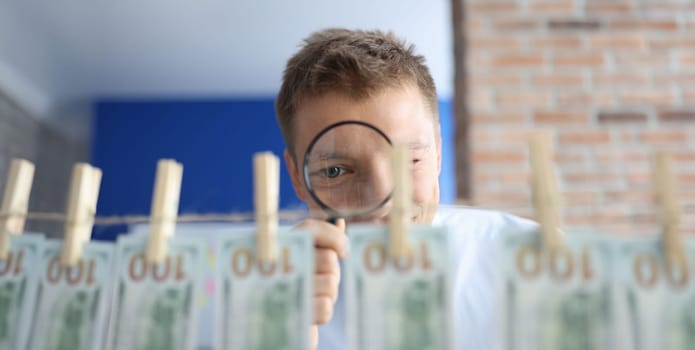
378, 184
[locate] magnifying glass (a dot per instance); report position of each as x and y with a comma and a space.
347, 169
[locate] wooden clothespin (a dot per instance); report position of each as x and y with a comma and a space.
402, 198
266, 188
667, 198
165, 208
82, 204
546, 197
15, 202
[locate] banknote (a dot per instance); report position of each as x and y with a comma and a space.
72, 302
559, 300
153, 305
209, 232
660, 302
402, 304
263, 306
18, 283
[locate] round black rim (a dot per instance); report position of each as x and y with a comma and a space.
333, 214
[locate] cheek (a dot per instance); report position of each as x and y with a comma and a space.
425, 184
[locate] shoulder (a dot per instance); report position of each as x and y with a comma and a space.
481, 223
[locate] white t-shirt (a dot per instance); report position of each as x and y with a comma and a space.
472, 246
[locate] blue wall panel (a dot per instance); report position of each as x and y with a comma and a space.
447, 177
215, 141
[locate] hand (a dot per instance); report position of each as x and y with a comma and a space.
314, 337
330, 243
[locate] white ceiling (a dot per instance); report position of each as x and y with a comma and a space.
57, 53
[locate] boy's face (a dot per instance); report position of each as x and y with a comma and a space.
399, 112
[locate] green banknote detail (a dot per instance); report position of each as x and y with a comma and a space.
71, 311
18, 282
154, 306
264, 306
660, 310
398, 304
556, 301
11, 301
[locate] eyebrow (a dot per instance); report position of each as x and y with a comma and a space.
419, 146
330, 156
336, 155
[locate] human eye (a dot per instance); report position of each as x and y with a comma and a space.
419, 153
331, 176
332, 172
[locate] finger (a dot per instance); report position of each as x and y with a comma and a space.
326, 261
341, 224
314, 338
326, 285
323, 310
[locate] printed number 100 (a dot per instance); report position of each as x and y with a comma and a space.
375, 258
138, 269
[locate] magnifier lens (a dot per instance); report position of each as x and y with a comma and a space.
347, 169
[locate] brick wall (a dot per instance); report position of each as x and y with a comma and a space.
23, 136
613, 80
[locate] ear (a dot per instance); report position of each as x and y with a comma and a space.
293, 169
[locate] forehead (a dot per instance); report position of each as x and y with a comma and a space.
348, 141
400, 113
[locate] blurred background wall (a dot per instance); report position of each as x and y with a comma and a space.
614, 80
123, 84
23, 136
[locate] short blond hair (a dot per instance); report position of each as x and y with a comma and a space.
352, 62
